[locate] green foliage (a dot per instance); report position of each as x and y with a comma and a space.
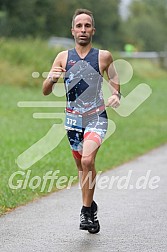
50, 17
147, 25
20, 58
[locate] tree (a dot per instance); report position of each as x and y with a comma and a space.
147, 24
52, 17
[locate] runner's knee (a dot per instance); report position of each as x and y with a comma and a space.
87, 163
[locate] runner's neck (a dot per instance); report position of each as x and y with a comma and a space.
83, 50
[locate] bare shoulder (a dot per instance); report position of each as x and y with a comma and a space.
62, 55
61, 59
105, 60
106, 56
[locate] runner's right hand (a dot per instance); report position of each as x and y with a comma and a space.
56, 72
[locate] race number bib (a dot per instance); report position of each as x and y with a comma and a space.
73, 122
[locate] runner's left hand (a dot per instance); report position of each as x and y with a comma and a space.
113, 101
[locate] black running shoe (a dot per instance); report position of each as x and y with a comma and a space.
86, 222
96, 228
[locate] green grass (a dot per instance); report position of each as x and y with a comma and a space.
20, 58
136, 134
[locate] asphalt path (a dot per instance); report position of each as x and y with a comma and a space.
132, 201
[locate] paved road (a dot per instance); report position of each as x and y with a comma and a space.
132, 218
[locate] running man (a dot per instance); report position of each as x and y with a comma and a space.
86, 117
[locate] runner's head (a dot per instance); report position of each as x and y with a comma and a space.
83, 11
83, 26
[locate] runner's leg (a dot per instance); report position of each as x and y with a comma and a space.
90, 149
86, 166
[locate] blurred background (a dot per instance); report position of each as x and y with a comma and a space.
140, 22
32, 33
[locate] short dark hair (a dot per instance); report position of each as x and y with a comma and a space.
83, 11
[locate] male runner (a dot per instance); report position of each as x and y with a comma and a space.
86, 118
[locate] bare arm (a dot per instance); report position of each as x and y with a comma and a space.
113, 79
56, 70
112, 76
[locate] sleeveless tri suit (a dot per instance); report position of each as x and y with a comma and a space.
85, 104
